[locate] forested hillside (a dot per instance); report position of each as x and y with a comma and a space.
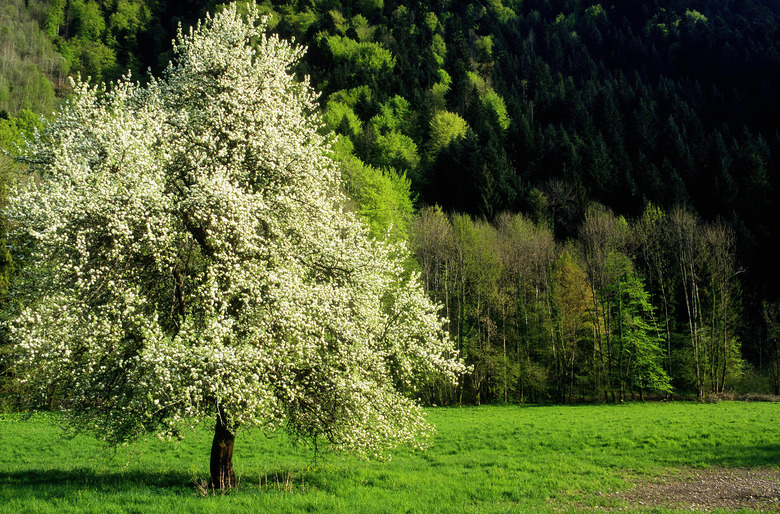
588, 187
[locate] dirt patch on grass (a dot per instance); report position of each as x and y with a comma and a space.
708, 490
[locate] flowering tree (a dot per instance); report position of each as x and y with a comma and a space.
192, 259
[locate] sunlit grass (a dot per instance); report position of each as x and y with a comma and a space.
485, 459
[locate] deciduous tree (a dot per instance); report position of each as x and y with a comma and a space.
193, 260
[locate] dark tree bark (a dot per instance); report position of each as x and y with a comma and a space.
222, 474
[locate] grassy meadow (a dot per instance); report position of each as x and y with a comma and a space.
482, 459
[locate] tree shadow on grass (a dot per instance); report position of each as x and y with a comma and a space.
756, 456
713, 455
60, 482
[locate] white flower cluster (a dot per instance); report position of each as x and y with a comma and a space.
192, 251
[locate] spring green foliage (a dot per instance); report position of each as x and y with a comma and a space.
98, 39
14, 130
636, 343
446, 127
381, 193
361, 59
491, 101
382, 197
29, 62
572, 317
487, 459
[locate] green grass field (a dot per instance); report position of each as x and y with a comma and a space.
482, 459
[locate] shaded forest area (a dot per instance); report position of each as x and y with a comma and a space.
588, 187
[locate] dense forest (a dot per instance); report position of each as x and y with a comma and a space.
587, 187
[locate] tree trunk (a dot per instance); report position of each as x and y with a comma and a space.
222, 474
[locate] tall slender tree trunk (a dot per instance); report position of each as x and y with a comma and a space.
698, 322
506, 392
725, 356
222, 474
461, 300
667, 322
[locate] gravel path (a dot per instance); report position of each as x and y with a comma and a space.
707, 490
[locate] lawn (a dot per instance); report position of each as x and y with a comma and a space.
482, 459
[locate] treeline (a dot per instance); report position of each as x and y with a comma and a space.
625, 310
